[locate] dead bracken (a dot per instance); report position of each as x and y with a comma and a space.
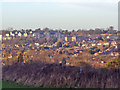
54, 75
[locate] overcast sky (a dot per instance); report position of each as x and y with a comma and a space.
59, 14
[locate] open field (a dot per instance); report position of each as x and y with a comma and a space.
11, 84
6, 84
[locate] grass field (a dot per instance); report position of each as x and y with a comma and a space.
6, 84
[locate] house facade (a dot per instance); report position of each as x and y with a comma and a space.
49, 34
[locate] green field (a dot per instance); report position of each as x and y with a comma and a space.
6, 84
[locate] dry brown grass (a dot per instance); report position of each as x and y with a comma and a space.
54, 75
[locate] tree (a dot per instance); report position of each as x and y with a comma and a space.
105, 31
97, 50
100, 38
73, 30
114, 64
54, 40
91, 52
46, 29
60, 52
59, 44
63, 61
66, 31
64, 52
20, 58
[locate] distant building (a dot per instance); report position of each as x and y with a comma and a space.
68, 38
25, 34
112, 37
0, 37
99, 44
55, 34
19, 34
49, 34
7, 35
106, 43
74, 38
39, 34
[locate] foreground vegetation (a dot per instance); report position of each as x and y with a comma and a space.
54, 75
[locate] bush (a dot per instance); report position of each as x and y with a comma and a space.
59, 44
53, 75
94, 51
20, 58
60, 52
113, 64
91, 52
64, 60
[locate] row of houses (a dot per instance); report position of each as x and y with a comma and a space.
14, 34
49, 34
38, 34
74, 38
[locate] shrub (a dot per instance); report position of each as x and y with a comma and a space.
114, 64
53, 75
59, 44
20, 58
60, 52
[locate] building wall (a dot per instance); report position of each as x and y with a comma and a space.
74, 38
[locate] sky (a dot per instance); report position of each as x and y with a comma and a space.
59, 14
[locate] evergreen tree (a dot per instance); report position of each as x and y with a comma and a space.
20, 58
63, 61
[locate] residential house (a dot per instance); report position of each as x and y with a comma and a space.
113, 43
39, 34
25, 34
33, 34
9, 38
7, 35
93, 44
4, 38
16, 32
81, 51
49, 34
60, 35
68, 38
74, 38
0, 37
99, 44
112, 37
96, 54
55, 34
10, 56
19, 34
106, 43
114, 54
12, 34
